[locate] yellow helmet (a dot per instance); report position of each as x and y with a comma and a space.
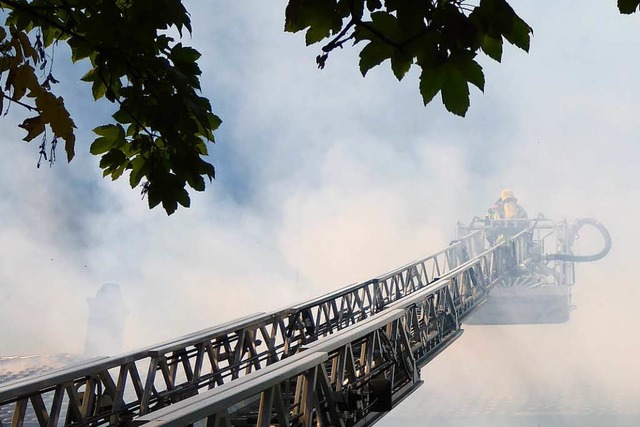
506, 194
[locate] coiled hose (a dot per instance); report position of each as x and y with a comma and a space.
584, 258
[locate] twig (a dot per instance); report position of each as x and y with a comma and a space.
32, 11
336, 42
22, 104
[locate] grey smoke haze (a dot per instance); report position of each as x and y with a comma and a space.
325, 178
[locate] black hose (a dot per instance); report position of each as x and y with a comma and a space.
584, 258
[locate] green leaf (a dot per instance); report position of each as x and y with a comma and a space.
472, 72
5, 63
112, 161
386, 24
400, 63
91, 75
181, 53
201, 148
628, 7
455, 91
27, 49
207, 169
138, 170
34, 127
122, 116
351, 8
170, 205
182, 197
294, 16
431, 81
98, 89
373, 5
492, 47
49, 35
154, 196
56, 115
214, 122
373, 54
113, 132
22, 78
196, 182
321, 17
117, 173
101, 145
519, 34
80, 49
317, 33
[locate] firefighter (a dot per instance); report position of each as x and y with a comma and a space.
494, 212
506, 207
510, 209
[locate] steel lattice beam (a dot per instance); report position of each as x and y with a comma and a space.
434, 295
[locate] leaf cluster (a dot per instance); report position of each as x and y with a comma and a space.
160, 129
628, 7
441, 37
162, 125
27, 78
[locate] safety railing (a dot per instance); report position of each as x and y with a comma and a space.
119, 389
354, 375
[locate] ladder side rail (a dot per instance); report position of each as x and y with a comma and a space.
359, 353
417, 330
25, 387
188, 350
335, 344
540, 223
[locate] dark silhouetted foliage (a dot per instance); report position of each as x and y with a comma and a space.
162, 125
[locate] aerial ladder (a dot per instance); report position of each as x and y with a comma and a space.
343, 359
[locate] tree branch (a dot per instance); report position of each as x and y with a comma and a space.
380, 35
336, 42
20, 103
31, 10
65, 29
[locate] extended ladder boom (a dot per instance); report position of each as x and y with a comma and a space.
339, 359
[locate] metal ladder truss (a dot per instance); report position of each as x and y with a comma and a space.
314, 362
